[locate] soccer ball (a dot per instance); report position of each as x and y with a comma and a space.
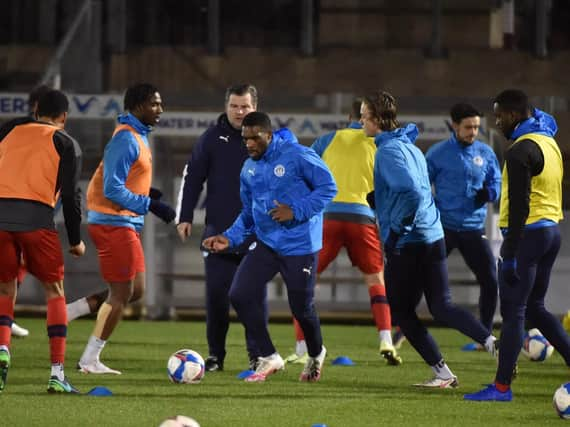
185, 367
561, 401
536, 347
179, 421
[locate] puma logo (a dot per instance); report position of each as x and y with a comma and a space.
224, 138
307, 270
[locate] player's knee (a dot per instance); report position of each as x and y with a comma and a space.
237, 298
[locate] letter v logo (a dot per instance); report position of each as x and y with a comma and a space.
83, 106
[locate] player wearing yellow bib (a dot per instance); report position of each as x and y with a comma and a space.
531, 207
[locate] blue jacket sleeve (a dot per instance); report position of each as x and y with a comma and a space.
432, 169
196, 174
120, 154
320, 180
493, 176
244, 225
404, 186
322, 143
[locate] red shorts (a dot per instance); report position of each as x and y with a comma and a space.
40, 249
120, 252
360, 240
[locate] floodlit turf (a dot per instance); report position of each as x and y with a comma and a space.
367, 394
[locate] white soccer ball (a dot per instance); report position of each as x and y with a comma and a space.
561, 401
536, 347
185, 367
179, 421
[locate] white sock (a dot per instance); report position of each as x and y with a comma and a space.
386, 335
77, 309
57, 371
92, 350
300, 348
5, 348
442, 371
490, 344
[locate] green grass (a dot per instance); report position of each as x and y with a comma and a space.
367, 394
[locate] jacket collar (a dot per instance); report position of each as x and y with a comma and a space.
540, 122
407, 134
136, 124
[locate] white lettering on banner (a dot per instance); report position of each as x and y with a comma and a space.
13, 104
80, 106
91, 106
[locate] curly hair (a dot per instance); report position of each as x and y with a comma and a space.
138, 94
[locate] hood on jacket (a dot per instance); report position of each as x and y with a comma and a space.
131, 120
285, 134
540, 123
407, 134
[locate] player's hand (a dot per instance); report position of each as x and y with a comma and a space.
77, 250
482, 196
184, 230
216, 243
281, 212
508, 269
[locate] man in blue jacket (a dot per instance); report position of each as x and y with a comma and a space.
217, 159
465, 175
284, 189
412, 235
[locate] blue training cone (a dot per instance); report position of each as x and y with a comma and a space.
244, 374
100, 391
343, 361
472, 346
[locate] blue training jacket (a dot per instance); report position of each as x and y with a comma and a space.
291, 174
402, 190
457, 171
120, 154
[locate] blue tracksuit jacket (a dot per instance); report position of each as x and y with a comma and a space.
402, 190
120, 154
291, 174
457, 172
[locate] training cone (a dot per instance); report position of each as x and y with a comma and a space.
100, 391
244, 374
343, 361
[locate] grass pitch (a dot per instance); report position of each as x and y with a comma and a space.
367, 394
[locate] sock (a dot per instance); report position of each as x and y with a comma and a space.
299, 335
300, 348
442, 371
92, 350
490, 344
503, 388
57, 371
4, 348
77, 309
57, 328
6, 320
386, 335
380, 308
